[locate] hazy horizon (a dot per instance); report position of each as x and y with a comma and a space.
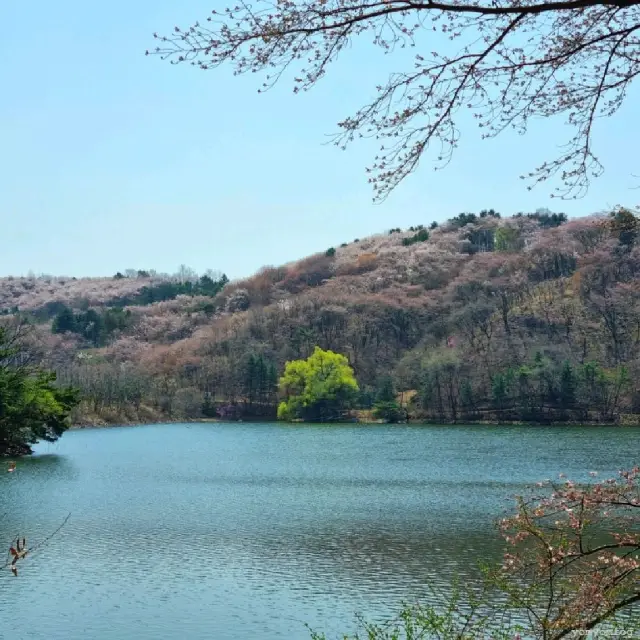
114, 160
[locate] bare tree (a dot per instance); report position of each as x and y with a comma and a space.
516, 60
15, 353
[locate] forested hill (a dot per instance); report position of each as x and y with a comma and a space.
533, 317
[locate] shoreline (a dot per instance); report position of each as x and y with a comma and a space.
108, 425
138, 423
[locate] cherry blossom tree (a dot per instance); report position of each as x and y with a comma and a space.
574, 557
516, 60
572, 566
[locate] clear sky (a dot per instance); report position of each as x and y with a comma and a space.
111, 160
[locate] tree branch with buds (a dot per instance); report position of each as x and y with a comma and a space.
518, 60
574, 561
18, 551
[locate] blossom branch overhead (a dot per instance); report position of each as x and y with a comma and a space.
517, 60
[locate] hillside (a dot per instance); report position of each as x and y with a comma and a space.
531, 317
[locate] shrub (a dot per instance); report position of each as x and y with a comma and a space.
463, 219
310, 272
238, 301
421, 236
389, 411
363, 264
508, 239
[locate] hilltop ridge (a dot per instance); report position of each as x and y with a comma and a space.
482, 317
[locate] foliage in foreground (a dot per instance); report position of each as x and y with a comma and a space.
457, 619
572, 566
319, 388
32, 407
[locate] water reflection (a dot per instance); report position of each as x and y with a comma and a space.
49, 463
249, 531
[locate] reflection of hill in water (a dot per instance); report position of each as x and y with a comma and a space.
381, 560
42, 460
48, 460
41, 468
505, 488
28, 495
369, 559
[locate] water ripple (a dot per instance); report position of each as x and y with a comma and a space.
249, 531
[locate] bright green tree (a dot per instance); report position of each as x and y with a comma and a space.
507, 239
317, 389
32, 407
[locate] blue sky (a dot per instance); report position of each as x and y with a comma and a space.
112, 160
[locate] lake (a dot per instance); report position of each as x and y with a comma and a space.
241, 531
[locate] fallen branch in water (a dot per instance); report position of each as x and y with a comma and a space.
19, 550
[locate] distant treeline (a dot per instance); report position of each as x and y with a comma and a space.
204, 286
529, 318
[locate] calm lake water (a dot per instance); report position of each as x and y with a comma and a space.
240, 531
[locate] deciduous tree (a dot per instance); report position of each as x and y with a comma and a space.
317, 389
32, 407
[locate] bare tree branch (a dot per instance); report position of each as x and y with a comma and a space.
19, 549
517, 60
